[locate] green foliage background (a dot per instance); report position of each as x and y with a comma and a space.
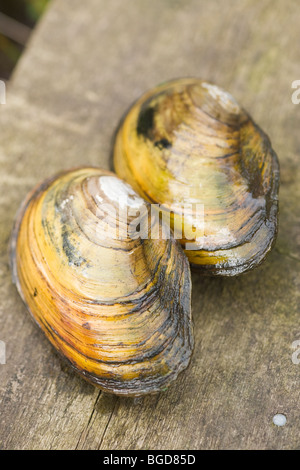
26, 12
35, 8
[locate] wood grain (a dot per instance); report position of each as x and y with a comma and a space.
84, 66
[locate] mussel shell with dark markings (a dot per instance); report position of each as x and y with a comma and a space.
117, 308
189, 142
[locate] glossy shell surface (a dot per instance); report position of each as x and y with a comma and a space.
188, 143
117, 308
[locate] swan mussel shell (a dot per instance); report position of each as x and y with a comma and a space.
118, 308
189, 142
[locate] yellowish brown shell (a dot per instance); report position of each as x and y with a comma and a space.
117, 308
189, 143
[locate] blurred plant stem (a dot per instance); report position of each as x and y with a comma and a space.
14, 30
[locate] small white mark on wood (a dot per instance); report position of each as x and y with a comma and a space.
279, 419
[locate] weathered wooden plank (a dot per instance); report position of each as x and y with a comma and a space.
85, 65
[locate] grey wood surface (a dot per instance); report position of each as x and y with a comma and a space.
85, 63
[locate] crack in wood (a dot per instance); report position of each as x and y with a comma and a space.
86, 429
107, 424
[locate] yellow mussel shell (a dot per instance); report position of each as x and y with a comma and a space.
188, 146
117, 307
